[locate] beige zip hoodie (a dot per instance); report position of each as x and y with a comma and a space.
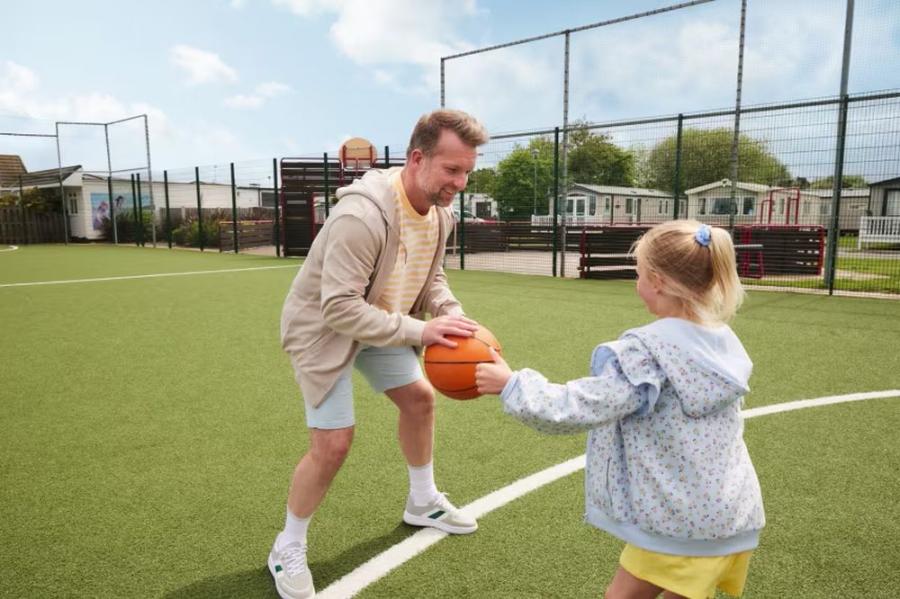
329, 309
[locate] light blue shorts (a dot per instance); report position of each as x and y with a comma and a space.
383, 367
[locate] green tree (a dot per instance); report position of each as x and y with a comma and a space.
524, 180
595, 160
40, 199
482, 181
706, 157
847, 181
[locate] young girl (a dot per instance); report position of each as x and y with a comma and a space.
667, 469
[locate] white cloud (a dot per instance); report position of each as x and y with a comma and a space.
384, 77
272, 89
263, 92
243, 101
202, 66
305, 8
17, 77
393, 32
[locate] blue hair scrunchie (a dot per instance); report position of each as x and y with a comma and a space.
703, 235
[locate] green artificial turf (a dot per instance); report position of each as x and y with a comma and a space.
149, 428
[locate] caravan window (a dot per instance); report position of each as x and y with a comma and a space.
579, 207
749, 206
569, 205
606, 203
723, 206
629, 205
593, 205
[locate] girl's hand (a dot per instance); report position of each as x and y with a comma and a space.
491, 378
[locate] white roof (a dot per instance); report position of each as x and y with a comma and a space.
755, 187
622, 191
845, 193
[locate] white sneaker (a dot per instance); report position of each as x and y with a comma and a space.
293, 579
441, 514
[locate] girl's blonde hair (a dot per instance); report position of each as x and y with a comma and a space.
703, 277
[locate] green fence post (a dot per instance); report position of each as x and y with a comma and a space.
676, 189
327, 187
462, 231
234, 227
168, 218
140, 205
555, 211
834, 226
199, 208
134, 211
112, 210
277, 222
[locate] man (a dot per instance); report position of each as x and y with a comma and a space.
371, 274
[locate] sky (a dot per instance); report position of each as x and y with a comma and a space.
248, 80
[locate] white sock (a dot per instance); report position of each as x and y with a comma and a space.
421, 483
294, 530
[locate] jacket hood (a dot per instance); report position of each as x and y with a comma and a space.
720, 368
375, 185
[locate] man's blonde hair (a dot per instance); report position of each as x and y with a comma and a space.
703, 278
427, 131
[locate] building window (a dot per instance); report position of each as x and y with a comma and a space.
701, 209
629, 205
579, 203
73, 202
749, 206
593, 205
723, 206
606, 204
569, 205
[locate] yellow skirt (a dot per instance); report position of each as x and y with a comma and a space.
693, 577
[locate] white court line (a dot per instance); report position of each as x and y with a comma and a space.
129, 277
11, 248
374, 569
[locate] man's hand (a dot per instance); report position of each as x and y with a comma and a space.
437, 329
492, 378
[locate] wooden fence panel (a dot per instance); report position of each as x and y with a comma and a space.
20, 225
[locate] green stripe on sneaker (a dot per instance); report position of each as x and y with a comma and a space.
278, 568
436, 515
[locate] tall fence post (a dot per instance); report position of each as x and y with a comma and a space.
676, 188
134, 211
168, 216
277, 222
462, 230
834, 227
112, 210
140, 205
234, 226
327, 186
555, 211
23, 210
199, 208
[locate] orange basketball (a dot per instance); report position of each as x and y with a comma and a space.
452, 370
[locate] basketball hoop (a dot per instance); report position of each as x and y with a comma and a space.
357, 154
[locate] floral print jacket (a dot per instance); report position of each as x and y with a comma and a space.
666, 469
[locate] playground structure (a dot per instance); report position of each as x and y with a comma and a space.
308, 186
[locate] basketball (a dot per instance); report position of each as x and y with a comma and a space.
452, 370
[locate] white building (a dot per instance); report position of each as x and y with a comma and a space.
88, 199
756, 203
613, 205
